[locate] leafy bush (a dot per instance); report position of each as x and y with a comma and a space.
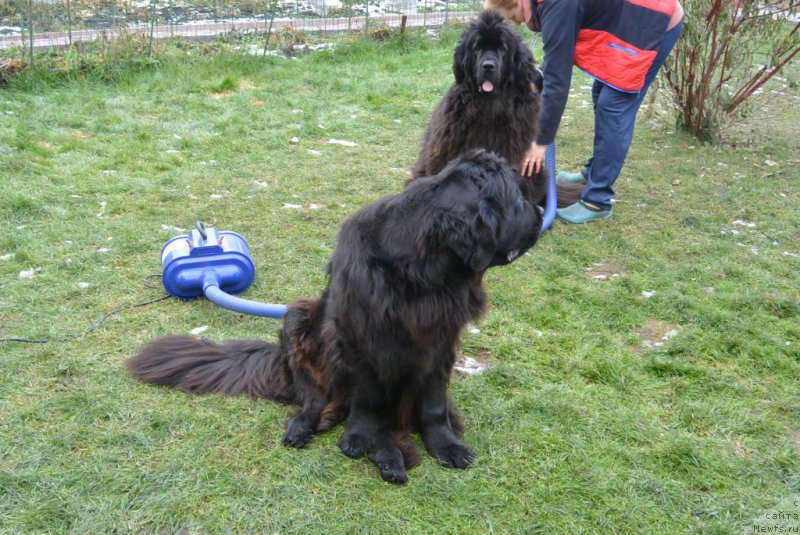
727, 52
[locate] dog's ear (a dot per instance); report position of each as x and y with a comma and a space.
484, 231
523, 70
516, 60
460, 58
474, 240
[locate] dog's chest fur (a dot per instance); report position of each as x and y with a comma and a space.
519, 120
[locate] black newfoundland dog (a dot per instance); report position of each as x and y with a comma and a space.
492, 104
377, 348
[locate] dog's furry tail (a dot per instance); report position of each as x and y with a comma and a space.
237, 367
535, 188
568, 194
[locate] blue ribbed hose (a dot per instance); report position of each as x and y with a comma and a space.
237, 304
552, 196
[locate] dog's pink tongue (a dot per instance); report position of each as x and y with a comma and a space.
487, 86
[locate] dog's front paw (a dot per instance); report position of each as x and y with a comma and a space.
393, 473
453, 455
298, 434
389, 461
354, 445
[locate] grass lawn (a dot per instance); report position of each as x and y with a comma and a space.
643, 373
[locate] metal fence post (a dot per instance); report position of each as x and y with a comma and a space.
349, 15
30, 33
69, 23
271, 19
152, 27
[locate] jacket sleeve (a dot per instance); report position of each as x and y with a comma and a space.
560, 21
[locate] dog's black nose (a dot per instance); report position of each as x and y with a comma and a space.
488, 66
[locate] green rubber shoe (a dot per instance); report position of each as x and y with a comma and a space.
571, 178
581, 212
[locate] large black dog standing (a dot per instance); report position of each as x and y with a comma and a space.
378, 346
492, 104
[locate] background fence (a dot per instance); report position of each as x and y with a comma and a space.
29, 25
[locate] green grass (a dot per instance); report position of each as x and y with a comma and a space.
578, 427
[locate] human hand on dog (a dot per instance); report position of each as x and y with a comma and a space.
532, 161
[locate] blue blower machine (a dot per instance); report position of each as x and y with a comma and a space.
215, 264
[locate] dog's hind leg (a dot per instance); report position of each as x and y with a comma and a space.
301, 428
301, 343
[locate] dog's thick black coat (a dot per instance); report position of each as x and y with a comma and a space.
377, 348
492, 104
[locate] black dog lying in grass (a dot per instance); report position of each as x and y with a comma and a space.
377, 348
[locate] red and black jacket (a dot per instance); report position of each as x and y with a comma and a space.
615, 41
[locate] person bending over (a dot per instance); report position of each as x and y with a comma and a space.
622, 44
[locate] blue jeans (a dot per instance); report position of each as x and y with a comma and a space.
614, 120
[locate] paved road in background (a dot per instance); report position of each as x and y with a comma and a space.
207, 31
